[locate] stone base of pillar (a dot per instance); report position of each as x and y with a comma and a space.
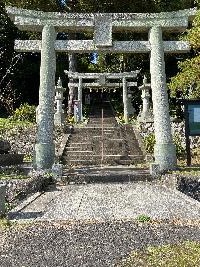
44, 155
59, 119
145, 118
165, 156
154, 169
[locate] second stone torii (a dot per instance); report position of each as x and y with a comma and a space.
102, 81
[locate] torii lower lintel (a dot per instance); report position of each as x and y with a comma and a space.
88, 46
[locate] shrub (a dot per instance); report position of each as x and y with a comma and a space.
70, 120
149, 142
180, 150
143, 218
25, 112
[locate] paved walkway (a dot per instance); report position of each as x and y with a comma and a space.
107, 202
93, 225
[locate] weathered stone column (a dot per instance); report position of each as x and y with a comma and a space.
44, 148
80, 96
131, 109
125, 100
145, 115
164, 150
59, 114
145, 97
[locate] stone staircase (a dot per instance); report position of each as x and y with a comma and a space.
102, 141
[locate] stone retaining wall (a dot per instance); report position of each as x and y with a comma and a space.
189, 185
178, 128
17, 190
22, 139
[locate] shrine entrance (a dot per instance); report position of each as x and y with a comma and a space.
102, 26
101, 82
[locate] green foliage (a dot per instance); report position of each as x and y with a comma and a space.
12, 173
70, 119
180, 150
132, 6
120, 117
179, 255
44, 5
25, 112
6, 124
187, 81
13, 176
4, 223
28, 158
143, 218
149, 142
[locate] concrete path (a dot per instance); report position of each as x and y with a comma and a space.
108, 202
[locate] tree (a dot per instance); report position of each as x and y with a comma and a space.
187, 82
44, 5
21, 77
9, 61
19, 72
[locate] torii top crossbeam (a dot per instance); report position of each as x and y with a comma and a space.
102, 25
30, 20
103, 79
107, 75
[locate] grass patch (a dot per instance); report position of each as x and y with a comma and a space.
4, 223
6, 124
13, 172
188, 171
185, 254
143, 218
11, 177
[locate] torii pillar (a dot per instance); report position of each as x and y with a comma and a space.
80, 97
44, 147
164, 149
125, 100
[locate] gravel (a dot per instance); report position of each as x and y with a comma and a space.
87, 244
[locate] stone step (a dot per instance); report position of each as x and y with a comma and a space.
79, 151
80, 162
107, 158
106, 161
81, 143
119, 143
97, 127
99, 175
79, 148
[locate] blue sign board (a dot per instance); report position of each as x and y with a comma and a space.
193, 110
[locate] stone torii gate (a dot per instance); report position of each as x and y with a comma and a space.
102, 81
102, 26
